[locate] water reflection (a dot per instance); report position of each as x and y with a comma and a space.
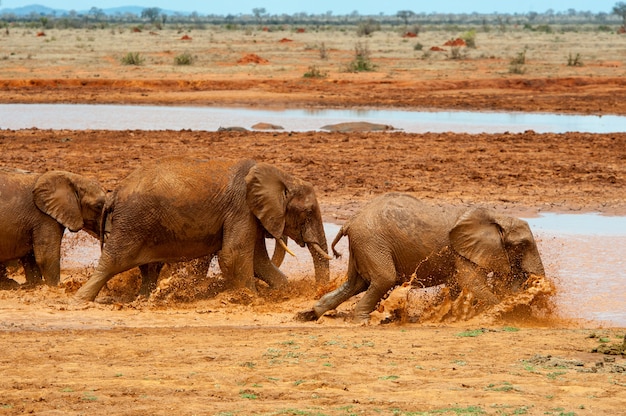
127, 117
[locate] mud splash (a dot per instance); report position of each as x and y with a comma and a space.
407, 304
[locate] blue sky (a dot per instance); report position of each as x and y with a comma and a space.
389, 7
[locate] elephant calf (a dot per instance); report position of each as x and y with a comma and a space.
181, 208
396, 235
35, 210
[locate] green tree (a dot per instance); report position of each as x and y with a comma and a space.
405, 15
151, 13
620, 10
258, 12
96, 13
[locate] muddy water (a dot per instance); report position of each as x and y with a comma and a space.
123, 117
585, 255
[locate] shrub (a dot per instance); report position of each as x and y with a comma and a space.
574, 60
314, 72
361, 62
456, 53
368, 27
470, 38
323, 51
418, 46
517, 64
132, 58
184, 58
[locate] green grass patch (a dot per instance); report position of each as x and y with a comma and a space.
471, 333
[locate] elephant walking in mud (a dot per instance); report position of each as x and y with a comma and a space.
35, 210
397, 235
181, 208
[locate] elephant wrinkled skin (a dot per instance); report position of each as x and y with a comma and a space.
180, 208
396, 235
35, 210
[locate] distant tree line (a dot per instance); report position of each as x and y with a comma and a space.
259, 16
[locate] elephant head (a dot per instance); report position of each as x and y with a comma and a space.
74, 201
287, 206
497, 244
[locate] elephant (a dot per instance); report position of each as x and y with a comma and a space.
397, 236
35, 210
181, 208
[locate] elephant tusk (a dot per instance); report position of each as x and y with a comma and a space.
284, 246
321, 252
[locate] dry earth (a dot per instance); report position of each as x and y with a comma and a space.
198, 352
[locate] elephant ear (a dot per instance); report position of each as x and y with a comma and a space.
478, 237
266, 195
55, 194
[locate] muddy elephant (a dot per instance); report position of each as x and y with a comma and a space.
182, 208
397, 235
35, 210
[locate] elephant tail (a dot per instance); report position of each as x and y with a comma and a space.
339, 236
105, 222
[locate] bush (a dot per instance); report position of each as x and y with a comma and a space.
456, 53
314, 72
132, 58
184, 58
574, 60
517, 63
361, 62
470, 38
323, 51
368, 27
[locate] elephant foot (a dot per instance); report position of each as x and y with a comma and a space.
361, 319
8, 284
306, 316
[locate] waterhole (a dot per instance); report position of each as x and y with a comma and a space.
125, 117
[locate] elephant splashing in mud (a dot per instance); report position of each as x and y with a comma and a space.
181, 208
397, 235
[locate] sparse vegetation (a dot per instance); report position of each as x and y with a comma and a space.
470, 38
361, 61
368, 27
315, 72
456, 52
184, 58
574, 60
516, 66
132, 58
323, 51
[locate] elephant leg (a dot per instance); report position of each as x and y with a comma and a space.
149, 276
31, 269
236, 258
383, 278
106, 269
264, 268
47, 253
354, 285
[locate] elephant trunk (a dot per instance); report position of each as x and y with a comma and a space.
320, 263
470, 276
529, 264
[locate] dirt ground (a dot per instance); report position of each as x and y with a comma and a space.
190, 351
